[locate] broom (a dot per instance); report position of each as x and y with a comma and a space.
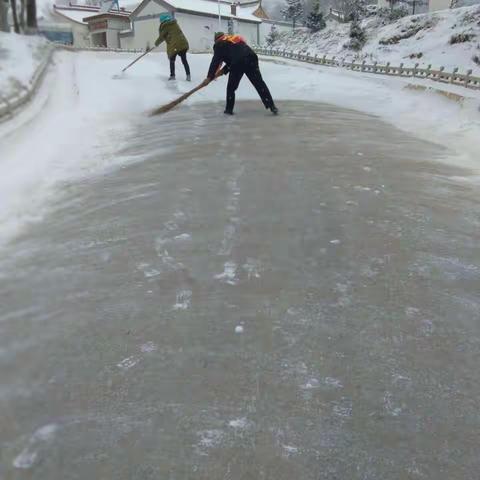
170, 106
120, 75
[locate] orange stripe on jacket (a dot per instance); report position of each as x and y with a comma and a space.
232, 39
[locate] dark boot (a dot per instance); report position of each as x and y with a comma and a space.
274, 109
172, 77
228, 112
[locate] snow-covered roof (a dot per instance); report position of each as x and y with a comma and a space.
79, 13
210, 8
75, 14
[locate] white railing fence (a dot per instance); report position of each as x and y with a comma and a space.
466, 80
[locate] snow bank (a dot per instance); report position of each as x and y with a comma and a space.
19, 58
423, 39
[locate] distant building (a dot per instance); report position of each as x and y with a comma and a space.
199, 19
94, 26
90, 27
418, 6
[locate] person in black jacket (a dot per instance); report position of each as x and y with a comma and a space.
239, 59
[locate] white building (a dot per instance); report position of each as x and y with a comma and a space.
90, 27
199, 20
93, 26
420, 6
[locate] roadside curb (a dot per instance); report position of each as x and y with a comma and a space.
9, 105
454, 97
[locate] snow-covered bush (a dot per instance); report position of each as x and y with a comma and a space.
461, 38
315, 21
398, 12
273, 36
409, 29
353, 9
357, 36
393, 14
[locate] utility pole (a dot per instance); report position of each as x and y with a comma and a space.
219, 17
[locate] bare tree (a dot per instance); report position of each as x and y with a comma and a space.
21, 19
31, 15
16, 25
3, 16
293, 10
351, 9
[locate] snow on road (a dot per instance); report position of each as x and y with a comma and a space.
81, 116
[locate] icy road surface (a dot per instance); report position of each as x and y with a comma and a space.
248, 298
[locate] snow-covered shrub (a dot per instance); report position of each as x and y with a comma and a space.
461, 38
398, 13
409, 30
357, 37
315, 21
273, 36
393, 14
352, 9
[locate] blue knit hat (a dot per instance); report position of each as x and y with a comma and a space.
165, 17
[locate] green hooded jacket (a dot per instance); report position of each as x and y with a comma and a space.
171, 33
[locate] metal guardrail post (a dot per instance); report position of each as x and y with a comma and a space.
429, 70
452, 78
466, 81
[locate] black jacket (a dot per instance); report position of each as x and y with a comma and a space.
230, 53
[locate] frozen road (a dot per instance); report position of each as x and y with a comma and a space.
353, 268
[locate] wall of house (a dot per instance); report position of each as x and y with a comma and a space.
200, 30
250, 31
145, 25
80, 33
81, 37
127, 41
435, 5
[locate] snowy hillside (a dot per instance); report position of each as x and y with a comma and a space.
450, 38
20, 55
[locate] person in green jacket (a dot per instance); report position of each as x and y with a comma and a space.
171, 33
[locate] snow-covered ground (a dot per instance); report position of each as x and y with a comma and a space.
80, 116
20, 55
423, 39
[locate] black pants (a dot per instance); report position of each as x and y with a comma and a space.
249, 67
183, 57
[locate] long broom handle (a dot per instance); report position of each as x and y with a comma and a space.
169, 106
137, 59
